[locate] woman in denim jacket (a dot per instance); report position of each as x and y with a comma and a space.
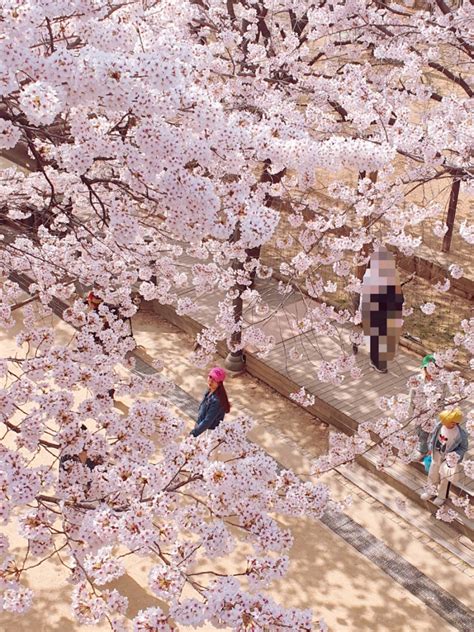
448, 443
214, 404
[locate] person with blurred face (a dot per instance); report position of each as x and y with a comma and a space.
448, 444
381, 302
214, 404
417, 406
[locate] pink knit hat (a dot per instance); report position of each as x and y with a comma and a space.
217, 374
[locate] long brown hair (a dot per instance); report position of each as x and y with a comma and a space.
222, 395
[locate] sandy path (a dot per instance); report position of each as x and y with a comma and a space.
326, 573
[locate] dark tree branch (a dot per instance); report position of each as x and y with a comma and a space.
450, 75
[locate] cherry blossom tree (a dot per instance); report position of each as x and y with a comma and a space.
165, 143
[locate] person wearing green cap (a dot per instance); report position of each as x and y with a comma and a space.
427, 360
417, 403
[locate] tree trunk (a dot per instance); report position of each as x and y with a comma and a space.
451, 215
235, 360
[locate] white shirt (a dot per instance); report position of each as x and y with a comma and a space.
447, 438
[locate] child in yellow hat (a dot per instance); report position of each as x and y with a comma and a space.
448, 444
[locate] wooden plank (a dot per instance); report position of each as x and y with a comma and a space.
368, 378
410, 481
286, 386
441, 533
356, 401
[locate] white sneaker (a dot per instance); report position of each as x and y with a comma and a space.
379, 370
438, 501
426, 496
418, 456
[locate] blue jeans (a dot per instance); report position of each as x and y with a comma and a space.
423, 440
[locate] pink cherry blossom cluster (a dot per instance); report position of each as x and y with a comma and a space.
166, 149
123, 484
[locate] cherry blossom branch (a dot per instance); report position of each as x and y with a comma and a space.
17, 430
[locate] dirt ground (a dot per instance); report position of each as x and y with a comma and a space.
326, 573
